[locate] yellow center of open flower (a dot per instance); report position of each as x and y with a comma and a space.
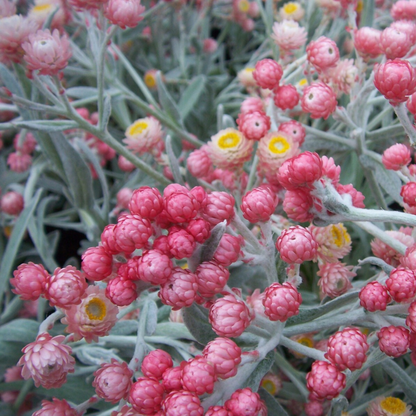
279, 145
306, 341
243, 6
250, 70
229, 140
41, 8
96, 309
393, 405
290, 8
303, 82
268, 385
137, 128
150, 80
340, 235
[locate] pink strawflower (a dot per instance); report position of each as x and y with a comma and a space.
225, 355
268, 73
199, 163
211, 278
244, 402
14, 31
123, 197
182, 402
335, 278
286, 97
12, 203
7, 8
144, 135
404, 10
396, 80
319, 100
325, 381
65, 287
254, 125
402, 284
217, 411
396, 157
56, 408
228, 250
314, 408
411, 104
219, 207
394, 341
181, 206
97, 263
124, 13
411, 318
388, 254
156, 363
29, 281
367, 42
125, 165
322, 53
389, 406
408, 192
132, 232
47, 361
146, 202
355, 197
47, 53
330, 169
181, 244
409, 258
343, 76
297, 204
25, 145
395, 43
229, 316
108, 240
198, 376
288, 35
374, 297
281, 301
251, 104
19, 162
209, 45
347, 349
180, 289
200, 194
93, 317
172, 379
146, 396
259, 204
154, 267
125, 411
297, 245
295, 130
406, 26
200, 229
121, 292
112, 381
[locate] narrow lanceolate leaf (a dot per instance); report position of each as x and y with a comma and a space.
259, 372
16, 238
190, 96
173, 162
106, 113
196, 320
167, 101
273, 406
46, 125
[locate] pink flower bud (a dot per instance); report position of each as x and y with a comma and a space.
286, 97
259, 204
154, 267
295, 130
97, 264
297, 204
219, 207
56, 407
254, 125
408, 192
402, 284
228, 251
347, 349
180, 289
125, 165
19, 162
209, 45
156, 363
395, 43
335, 279
12, 203
200, 229
325, 381
281, 301
198, 376
108, 240
244, 402
357, 198
182, 402
251, 104
229, 316
267, 73
132, 232
121, 292
124, 13
322, 53
112, 382
47, 361
374, 297
367, 42
46, 52
199, 163
297, 245
181, 244
123, 197
411, 104
225, 355
65, 287
146, 396
396, 80
29, 281
181, 206
218, 410
404, 9
396, 157
211, 277
319, 100
394, 341
172, 379
146, 202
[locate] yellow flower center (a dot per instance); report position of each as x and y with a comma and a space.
250, 70
360, 6
306, 341
393, 405
137, 127
96, 309
268, 385
41, 8
340, 235
229, 140
290, 8
303, 82
243, 6
150, 80
279, 145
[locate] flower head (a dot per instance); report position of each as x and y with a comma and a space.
388, 406
288, 35
143, 135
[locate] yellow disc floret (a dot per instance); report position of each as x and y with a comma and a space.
279, 145
41, 8
150, 79
290, 7
137, 127
96, 309
243, 6
340, 236
229, 140
393, 405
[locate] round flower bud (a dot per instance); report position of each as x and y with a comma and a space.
29, 281
394, 341
281, 301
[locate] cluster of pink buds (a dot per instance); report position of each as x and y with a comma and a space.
21, 159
